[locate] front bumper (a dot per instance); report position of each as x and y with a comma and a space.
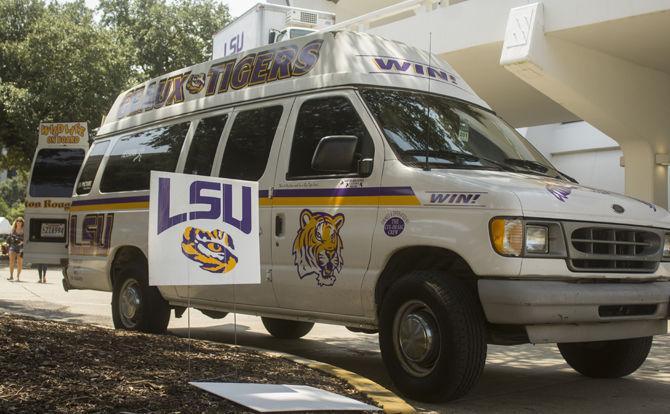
554, 311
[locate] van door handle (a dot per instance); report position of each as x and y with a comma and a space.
279, 225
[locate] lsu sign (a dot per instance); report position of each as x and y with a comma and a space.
203, 230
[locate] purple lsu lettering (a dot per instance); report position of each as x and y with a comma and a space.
253, 69
219, 207
96, 235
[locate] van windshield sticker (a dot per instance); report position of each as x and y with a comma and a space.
234, 74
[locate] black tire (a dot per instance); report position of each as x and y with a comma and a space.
453, 364
607, 359
213, 314
286, 329
151, 312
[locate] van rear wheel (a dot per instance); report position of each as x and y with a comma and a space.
432, 336
607, 359
136, 306
286, 329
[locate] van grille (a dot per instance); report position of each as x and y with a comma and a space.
615, 249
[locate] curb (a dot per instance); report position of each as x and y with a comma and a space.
386, 399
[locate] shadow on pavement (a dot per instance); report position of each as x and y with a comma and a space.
40, 309
524, 378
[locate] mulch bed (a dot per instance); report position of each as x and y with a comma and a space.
48, 366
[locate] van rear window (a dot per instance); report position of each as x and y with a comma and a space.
89, 170
55, 171
134, 156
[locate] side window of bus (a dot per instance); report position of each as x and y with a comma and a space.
203, 146
249, 143
55, 171
134, 156
90, 168
322, 117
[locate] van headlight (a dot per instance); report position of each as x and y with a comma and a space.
666, 247
528, 238
537, 239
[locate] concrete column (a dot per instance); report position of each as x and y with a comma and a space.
626, 101
644, 178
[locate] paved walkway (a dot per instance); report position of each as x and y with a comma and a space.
527, 378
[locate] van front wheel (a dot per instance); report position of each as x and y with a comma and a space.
432, 336
136, 306
607, 359
286, 329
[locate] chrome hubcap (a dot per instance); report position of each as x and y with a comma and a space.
416, 338
130, 301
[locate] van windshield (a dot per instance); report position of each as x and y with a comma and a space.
55, 171
430, 131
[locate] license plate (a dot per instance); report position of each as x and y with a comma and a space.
52, 230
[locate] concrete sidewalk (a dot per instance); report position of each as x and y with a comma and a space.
523, 378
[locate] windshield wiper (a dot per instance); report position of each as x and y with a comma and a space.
527, 164
534, 167
459, 156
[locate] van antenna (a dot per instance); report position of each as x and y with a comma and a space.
426, 166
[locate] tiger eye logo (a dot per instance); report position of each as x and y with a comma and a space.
213, 250
195, 83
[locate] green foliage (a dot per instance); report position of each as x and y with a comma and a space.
167, 35
58, 62
12, 194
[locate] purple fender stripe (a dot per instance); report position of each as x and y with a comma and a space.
286, 193
114, 200
344, 192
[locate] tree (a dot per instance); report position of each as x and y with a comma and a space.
12, 194
166, 35
58, 65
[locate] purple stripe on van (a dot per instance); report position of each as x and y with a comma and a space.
114, 200
344, 192
298, 192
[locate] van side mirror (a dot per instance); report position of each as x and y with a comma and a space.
335, 154
272, 36
365, 167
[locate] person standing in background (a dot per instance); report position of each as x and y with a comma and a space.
42, 271
15, 242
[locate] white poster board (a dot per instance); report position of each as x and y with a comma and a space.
274, 398
203, 230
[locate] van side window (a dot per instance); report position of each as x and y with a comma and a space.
135, 155
55, 171
249, 143
203, 146
322, 117
90, 168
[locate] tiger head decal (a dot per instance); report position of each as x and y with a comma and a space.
211, 249
195, 83
317, 248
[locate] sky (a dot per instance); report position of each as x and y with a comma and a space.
236, 7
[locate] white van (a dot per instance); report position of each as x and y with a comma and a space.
392, 199
61, 147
